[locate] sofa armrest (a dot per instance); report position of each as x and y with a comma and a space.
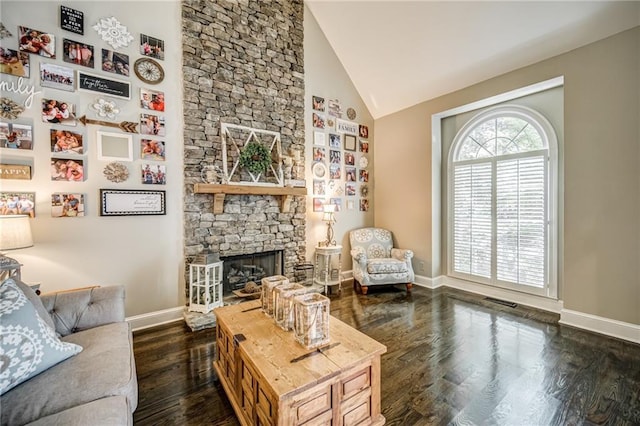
79, 310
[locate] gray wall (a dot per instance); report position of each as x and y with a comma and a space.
142, 253
326, 77
601, 172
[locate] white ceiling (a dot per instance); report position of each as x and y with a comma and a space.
400, 53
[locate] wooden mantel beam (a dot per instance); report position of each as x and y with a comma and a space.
284, 193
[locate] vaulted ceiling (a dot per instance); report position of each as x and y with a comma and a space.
400, 53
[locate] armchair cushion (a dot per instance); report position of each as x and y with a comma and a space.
386, 266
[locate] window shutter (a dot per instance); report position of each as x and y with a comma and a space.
521, 220
472, 219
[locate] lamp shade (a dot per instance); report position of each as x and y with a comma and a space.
328, 210
15, 232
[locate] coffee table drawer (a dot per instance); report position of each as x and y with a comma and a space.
356, 382
357, 409
312, 404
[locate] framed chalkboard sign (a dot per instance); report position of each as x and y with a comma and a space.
71, 20
98, 84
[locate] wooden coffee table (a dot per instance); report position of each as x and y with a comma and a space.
271, 379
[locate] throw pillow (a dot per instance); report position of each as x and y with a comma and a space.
37, 303
28, 346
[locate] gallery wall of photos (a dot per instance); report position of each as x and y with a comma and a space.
340, 162
130, 150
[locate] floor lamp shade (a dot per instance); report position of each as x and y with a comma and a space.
15, 232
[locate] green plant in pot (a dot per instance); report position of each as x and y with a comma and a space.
256, 158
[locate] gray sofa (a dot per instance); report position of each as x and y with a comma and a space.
98, 386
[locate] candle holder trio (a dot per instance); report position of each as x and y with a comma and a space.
298, 308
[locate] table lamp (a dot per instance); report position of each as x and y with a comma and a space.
15, 233
329, 217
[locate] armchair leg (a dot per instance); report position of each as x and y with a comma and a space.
359, 287
409, 285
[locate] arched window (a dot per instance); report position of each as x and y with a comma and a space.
502, 186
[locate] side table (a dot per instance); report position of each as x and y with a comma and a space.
328, 267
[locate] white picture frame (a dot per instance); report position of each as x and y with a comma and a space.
114, 146
319, 138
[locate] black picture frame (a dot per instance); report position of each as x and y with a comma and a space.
349, 142
107, 86
71, 20
132, 202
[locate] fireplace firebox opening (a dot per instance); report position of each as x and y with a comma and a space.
238, 270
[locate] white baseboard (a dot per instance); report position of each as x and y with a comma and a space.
347, 275
427, 282
152, 319
594, 323
530, 300
606, 326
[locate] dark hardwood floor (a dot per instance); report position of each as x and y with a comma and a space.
452, 358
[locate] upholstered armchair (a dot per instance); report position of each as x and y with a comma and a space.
376, 262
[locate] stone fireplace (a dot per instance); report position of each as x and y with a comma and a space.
238, 270
242, 64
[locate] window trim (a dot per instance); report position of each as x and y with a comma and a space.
548, 134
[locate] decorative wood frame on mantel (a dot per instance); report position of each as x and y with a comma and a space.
250, 135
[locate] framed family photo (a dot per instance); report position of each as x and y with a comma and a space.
66, 142
152, 150
154, 174
57, 77
14, 63
37, 42
77, 53
152, 99
18, 203
151, 47
364, 131
318, 204
65, 169
67, 205
318, 154
318, 121
335, 171
151, 124
58, 112
318, 103
334, 140
349, 159
16, 136
115, 62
